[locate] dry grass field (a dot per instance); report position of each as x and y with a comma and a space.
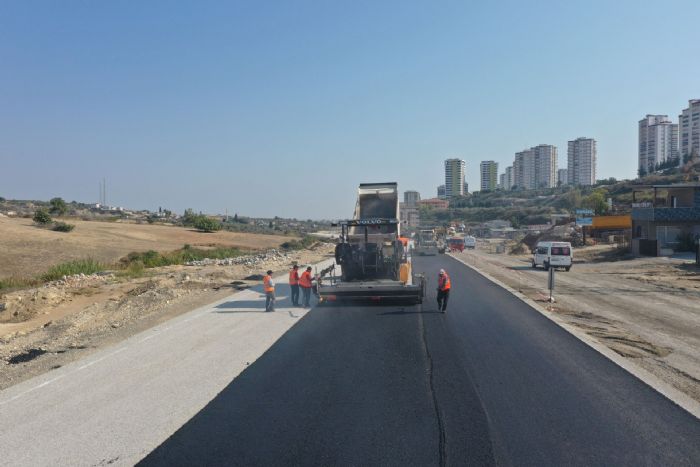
26, 250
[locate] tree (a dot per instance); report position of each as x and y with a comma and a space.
189, 217
42, 217
642, 172
596, 201
58, 206
2, 200
205, 224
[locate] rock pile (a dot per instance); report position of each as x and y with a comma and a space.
79, 280
273, 255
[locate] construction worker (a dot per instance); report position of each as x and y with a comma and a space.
443, 291
269, 288
294, 284
305, 284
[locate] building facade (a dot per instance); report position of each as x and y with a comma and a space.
489, 175
689, 130
535, 167
441, 192
434, 203
409, 214
455, 173
658, 142
411, 198
508, 179
582, 159
562, 177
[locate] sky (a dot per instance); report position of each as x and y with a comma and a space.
268, 108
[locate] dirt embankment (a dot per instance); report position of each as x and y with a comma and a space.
644, 309
46, 327
27, 251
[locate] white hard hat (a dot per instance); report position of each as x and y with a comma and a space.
442, 271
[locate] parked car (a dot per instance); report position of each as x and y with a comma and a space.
553, 255
469, 242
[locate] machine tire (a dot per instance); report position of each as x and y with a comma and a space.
568, 268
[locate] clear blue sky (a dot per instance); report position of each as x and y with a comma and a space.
282, 108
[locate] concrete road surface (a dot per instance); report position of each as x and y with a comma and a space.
492, 382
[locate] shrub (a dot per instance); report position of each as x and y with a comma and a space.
154, 259
58, 206
305, 242
42, 217
62, 227
81, 266
205, 224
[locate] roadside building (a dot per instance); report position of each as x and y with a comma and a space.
665, 220
409, 215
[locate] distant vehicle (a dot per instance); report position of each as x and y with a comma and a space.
469, 242
455, 244
553, 255
426, 243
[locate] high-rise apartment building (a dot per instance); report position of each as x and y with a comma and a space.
508, 179
411, 198
582, 158
489, 175
562, 177
455, 171
689, 130
535, 167
658, 142
441, 192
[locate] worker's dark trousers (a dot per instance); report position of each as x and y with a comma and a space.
307, 295
442, 297
295, 294
269, 301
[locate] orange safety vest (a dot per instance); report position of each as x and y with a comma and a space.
305, 280
293, 277
445, 283
266, 283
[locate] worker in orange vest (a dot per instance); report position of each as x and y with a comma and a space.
305, 284
443, 291
269, 288
294, 284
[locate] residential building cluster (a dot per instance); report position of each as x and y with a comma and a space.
536, 167
663, 143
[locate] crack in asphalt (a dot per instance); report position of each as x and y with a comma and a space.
436, 405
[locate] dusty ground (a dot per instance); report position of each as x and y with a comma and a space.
47, 327
645, 309
26, 250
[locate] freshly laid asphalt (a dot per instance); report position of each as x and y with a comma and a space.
490, 382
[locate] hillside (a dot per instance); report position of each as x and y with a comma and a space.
525, 207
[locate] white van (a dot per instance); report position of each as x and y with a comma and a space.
469, 242
553, 254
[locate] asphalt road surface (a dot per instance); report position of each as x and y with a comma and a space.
490, 382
